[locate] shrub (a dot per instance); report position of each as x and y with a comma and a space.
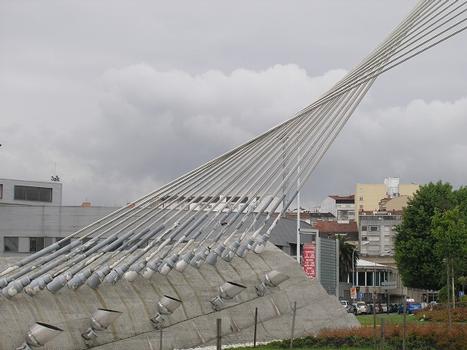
430, 336
440, 314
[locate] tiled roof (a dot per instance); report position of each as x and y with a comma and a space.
335, 227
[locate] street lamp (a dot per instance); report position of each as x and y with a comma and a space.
101, 319
39, 334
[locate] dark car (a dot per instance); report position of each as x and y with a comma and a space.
351, 309
393, 308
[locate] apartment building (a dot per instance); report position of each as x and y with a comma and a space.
342, 207
369, 196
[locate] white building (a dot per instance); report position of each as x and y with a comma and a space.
378, 232
20, 192
27, 229
342, 207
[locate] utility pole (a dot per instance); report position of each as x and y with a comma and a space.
448, 295
404, 334
453, 287
294, 312
374, 304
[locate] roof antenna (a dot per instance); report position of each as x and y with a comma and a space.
55, 178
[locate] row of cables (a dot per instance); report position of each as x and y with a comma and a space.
230, 205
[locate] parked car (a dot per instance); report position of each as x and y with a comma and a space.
352, 309
377, 307
361, 307
411, 308
393, 308
348, 307
384, 308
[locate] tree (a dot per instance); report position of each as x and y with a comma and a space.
417, 255
347, 251
450, 231
418, 265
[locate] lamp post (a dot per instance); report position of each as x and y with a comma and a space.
298, 207
374, 302
353, 268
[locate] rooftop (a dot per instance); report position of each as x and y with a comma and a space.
343, 199
335, 227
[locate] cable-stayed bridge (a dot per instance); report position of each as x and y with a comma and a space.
228, 207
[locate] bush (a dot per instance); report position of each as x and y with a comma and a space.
429, 336
440, 314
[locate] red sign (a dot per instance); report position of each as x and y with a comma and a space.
309, 259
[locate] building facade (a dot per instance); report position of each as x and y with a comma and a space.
21, 192
368, 196
378, 232
342, 207
27, 229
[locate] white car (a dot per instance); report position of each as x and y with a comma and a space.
361, 307
344, 303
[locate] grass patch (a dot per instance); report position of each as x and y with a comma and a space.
439, 314
367, 320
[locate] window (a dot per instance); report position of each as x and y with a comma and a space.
364, 228
374, 228
293, 249
36, 244
1, 191
361, 206
10, 244
361, 278
36, 194
383, 276
369, 278
361, 198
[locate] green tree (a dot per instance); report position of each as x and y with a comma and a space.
419, 265
450, 231
346, 252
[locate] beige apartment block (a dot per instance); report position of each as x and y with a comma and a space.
368, 196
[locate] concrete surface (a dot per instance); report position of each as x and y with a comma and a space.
191, 325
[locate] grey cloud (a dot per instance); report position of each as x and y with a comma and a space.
161, 124
420, 142
74, 93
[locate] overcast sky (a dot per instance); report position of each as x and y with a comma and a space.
122, 96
